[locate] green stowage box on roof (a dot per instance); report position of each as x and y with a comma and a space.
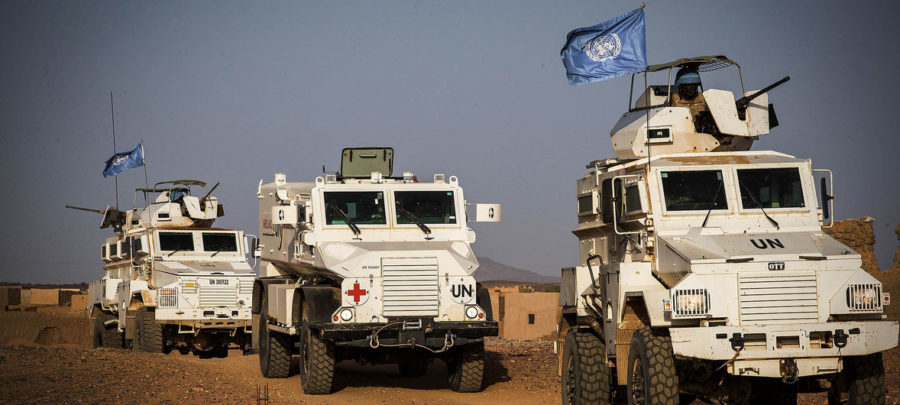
361, 162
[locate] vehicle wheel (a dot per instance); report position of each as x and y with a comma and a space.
585, 372
316, 363
149, 334
274, 348
862, 381
106, 336
413, 368
651, 378
96, 333
466, 368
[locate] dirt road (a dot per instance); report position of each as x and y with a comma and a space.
51, 364
515, 373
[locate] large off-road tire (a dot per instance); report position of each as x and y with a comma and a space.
862, 381
148, 336
416, 367
466, 367
652, 378
103, 335
585, 371
96, 333
274, 348
316, 363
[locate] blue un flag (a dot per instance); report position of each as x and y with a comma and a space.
607, 50
124, 160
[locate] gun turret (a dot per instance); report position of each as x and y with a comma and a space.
111, 216
203, 200
743, 102
86, 209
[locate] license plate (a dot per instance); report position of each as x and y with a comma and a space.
218, 281
776, 265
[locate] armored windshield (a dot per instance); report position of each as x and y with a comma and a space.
357, 207
176, 241
428, 207
772, 188
694, 190
220, 242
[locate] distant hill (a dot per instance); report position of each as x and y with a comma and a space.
491, 270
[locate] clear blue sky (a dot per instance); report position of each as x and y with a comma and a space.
233, 92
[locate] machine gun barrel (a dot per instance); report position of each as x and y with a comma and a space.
203, 200
86, 209
743, 102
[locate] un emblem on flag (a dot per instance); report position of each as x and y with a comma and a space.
603, 47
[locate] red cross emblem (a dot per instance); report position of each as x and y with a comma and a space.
356, 292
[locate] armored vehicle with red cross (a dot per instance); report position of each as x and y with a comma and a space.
362, 265
172, 280
706, 270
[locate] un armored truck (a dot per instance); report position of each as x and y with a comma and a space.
172, 280
706, 270
362, 266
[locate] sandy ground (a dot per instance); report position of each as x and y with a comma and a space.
51, 364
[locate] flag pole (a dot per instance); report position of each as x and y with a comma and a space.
113, 113
144, 161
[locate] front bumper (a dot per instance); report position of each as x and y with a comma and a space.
204, 318
814, 347
433, 334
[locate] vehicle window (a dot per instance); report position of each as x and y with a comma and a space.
360, 207
176, 241
428, 207
219, 242
773, 188
694, 190
113, 249
632, 199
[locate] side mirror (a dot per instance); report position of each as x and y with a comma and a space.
826, 212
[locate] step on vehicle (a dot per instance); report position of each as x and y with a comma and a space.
706, 268
359, 265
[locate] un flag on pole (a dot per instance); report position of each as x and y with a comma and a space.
124, 160
607, 50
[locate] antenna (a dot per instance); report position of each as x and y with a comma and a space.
112, 112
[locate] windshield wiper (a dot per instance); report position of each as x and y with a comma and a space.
747, 189
715, 199
345, 217
412, 217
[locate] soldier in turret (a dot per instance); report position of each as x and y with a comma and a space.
687, 83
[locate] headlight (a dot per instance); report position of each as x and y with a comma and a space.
346, 314
864, 297
691, 302
471, 312
168, 298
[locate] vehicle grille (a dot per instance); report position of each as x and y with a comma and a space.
779, 298
410, 286
246, 285
218, 296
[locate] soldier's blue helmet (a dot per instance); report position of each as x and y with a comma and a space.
687, 76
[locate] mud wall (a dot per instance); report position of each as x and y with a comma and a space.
857, 233
46, 328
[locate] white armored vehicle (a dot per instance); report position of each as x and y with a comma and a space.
172, 281
363, 266
706, 270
